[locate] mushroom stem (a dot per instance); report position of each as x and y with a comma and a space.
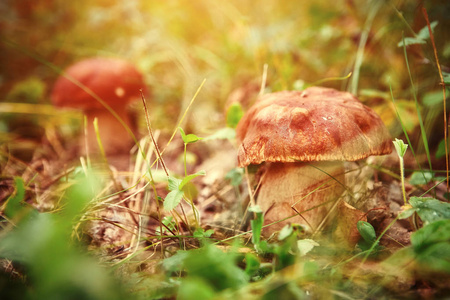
113, 135
309, 188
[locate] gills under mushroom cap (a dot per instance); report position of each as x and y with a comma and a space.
317, 124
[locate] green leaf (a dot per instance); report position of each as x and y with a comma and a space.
432, 234
400, 147
283, 290
252, 264
440, 152
30, 90
407, 211
367, 231
183, 134
13, 203
201, 233
430, 209
234, 114
311, 270
285, 232
189, 138
173, 199
369, 237
235, 176
86, 188
256, 225
176, 193
424, 33
198, 233
210, 264
208, 233
446, 78
169, 223
226, 133
433, 99
410, 41
421, 36
306, 245
175, 262
174, 183
431, 244
44, 244
419, 178
195, 289
189, 178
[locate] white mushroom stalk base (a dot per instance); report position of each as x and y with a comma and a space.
305, 191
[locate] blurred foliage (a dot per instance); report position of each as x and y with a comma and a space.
42, 244
431, 244
177, 44
217, 269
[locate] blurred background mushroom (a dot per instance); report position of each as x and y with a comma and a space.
102, 88
303, 139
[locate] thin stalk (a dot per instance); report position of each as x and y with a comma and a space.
400, 148
320, 81
263, 80
185, 167
188, 199
419, 115
402, 177
85, 122
149, 127
184, 115
442, 83
406, 132
362, 44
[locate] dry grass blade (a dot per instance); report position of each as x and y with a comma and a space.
149, 127
442, 83
263, 80
184, 114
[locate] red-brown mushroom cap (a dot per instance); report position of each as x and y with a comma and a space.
115, 81
316, 124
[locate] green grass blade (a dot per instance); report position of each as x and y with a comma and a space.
406, 133
419, 115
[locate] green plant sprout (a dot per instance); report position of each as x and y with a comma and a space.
177, 186
369, 239
187, 139
401, 147
176, 190
234, 114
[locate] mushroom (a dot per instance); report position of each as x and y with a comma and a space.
115, 82
304, 138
